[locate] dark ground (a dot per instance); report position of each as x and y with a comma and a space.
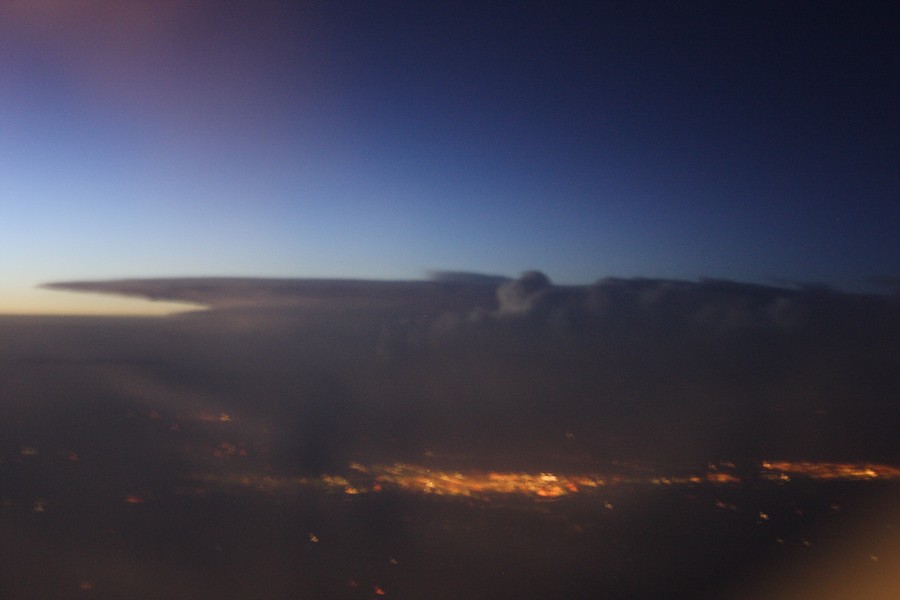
114, 432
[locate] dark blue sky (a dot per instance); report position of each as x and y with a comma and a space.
380, 139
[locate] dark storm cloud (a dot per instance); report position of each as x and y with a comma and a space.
698, 366
708, 367
708, 307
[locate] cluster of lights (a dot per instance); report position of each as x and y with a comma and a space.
784, 470
477, 484
416, 478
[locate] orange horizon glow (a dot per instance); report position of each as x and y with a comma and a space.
36, 301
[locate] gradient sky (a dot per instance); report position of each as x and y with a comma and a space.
383, 139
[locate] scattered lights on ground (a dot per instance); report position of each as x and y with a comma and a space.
224, 459
234, 464
249, 470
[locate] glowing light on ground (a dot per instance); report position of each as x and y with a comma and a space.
829, 470
477, 484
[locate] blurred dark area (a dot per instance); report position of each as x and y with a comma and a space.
191, 456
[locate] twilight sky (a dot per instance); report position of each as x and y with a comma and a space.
383, 139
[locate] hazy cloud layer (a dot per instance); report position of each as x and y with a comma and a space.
697, 367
